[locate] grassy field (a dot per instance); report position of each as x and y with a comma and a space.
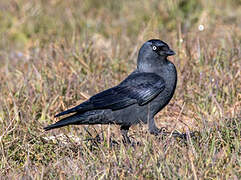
55, 54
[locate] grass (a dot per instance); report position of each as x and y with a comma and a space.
55, 54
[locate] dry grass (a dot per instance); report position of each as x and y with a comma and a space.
55, 54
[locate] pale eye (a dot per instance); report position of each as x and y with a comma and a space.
154, 48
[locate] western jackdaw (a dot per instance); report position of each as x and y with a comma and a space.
138, 98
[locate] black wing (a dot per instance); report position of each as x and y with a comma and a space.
138, 88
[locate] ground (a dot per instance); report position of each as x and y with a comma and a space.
55, 54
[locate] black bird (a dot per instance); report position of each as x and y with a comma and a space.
138, 98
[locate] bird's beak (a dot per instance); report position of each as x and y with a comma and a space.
170, 52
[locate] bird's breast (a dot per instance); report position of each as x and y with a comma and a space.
169, 74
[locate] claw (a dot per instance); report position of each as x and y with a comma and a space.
163, 131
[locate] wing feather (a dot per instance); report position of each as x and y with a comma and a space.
138, 88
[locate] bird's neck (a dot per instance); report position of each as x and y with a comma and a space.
149, 66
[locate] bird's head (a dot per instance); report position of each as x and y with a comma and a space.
153, 52
159, 47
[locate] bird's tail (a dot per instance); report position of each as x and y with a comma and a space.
71, 120
90, 117
85, 106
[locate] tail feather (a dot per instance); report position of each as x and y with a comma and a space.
80, 109
90, 117
73, 119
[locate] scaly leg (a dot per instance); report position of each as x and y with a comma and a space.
153, 129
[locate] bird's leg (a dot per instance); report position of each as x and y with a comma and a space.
153, 129
151, 123
124, 131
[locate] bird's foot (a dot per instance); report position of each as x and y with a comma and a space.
132, 143
96, 139
126, 139
127, 142
185, 135
156, 131
176, 134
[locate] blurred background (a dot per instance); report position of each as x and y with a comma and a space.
54, 54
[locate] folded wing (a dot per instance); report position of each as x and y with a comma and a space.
138, 88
